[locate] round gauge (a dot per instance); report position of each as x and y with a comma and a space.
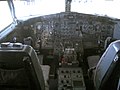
38, 27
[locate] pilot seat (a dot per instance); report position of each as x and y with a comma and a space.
20, 68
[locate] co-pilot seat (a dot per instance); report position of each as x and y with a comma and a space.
107, 72
20, 68
93, 60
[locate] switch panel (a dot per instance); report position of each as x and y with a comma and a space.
70, 79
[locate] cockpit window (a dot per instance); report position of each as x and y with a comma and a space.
25, 8
5, 15
97, 7
46, 7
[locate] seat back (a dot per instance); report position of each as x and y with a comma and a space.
107, 69
19, 68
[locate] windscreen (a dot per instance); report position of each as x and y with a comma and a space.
45, 7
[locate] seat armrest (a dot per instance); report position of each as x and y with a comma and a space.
91, 72
46, 70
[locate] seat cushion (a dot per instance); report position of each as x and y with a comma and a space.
93, 60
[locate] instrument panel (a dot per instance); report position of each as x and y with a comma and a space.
72, 30
66, 30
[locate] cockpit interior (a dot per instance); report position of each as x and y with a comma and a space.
60, 51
